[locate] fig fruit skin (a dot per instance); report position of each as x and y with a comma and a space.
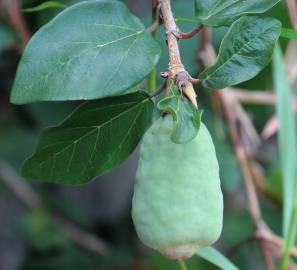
177, 204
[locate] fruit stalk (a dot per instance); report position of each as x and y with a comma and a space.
182, 264
152, 79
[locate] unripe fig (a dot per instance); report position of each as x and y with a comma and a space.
177, 203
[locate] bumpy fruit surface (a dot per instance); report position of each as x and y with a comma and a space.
177, 202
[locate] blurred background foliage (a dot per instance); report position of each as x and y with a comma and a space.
33, 237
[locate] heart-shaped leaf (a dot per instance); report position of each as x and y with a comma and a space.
224, 12
187, 118
95, 138
91, 50
245, 50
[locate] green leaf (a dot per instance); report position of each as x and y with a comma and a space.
187, 118
95, 138
45, 5
245, 50
215, 257
289, 33
287, 136
93, 49
225, 12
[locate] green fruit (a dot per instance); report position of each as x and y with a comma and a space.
177, 202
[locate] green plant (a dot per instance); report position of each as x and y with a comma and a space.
98, 51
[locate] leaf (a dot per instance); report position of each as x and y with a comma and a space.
289, 33
187, 118
93, 49
245, 50
95, 138
225, 12
215, 257
45, 5
287, 136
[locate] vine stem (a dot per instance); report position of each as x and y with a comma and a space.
16, 20
152, 78
231, 107
176, 70
289, 241
182, 264
27, 195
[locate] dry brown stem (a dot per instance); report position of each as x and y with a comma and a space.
16, 19
230, 102
32, 200
176, 70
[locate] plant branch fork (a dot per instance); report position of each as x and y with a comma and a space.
176, 70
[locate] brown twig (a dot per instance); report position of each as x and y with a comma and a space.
242, 156
159, 90
156, 16
253, 97
260, 98
20, 188
176, 70
196, 30
292, 8
154, 26
31, 200
16, 20
230, 105
272, 125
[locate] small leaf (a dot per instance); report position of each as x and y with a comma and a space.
187, 118
93, 49
225, 12
245, 50
289, 33
95, 138
287, 137
45, 5
215, 257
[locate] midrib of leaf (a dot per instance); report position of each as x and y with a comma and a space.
120, 145
109, 106
86, 127
120, 39
236, 53
119, 65
100, 46
113, 25
98, 128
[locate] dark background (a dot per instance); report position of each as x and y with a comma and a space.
38, 233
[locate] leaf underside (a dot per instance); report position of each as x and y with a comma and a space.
225, 12
245, 50
95, 138
215, 257
93, 49
187, 118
